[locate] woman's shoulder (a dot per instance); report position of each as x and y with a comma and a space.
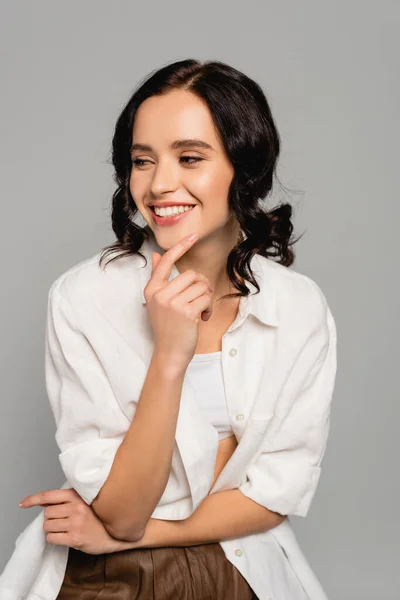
90, 279
296, 294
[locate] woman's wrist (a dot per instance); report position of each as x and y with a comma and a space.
158, 533
169, 366
150, 536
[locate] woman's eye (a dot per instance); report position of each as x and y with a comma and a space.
194, 158
189, 160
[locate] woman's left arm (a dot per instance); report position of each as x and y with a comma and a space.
69, 521
221, 516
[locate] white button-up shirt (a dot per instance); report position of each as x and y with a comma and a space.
278, 366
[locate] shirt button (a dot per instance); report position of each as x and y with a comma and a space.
239, 417
238, 552
232, 351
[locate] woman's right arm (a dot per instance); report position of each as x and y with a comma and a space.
142, 463
121, 469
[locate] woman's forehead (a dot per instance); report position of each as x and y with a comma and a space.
178, 115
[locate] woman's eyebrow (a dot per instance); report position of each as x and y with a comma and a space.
189, 143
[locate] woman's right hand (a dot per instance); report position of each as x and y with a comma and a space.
175, 307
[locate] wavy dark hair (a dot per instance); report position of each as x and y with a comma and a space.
247, 130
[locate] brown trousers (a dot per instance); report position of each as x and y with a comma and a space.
199, 572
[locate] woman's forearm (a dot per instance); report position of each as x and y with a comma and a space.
227, 515
142, 464
221, 516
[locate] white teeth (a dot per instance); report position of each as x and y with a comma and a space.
171, 210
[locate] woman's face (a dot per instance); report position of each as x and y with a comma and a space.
167, 167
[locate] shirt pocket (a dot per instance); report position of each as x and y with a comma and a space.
256, 426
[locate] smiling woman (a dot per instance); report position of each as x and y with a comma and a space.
178, 159
191, 393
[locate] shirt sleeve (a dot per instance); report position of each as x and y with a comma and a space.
90, 425
285, 474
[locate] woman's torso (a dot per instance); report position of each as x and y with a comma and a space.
100, 313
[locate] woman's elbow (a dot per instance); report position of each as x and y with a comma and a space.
124, 533
117, 526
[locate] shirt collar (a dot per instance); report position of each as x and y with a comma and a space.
262, 305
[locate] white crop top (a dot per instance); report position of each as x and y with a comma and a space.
204, 372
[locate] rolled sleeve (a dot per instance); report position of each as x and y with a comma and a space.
285, 475
90, 425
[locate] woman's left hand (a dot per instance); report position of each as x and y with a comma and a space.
69, 521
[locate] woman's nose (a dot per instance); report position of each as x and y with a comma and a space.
165, 179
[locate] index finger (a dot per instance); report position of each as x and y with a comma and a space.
163, 269
48, 497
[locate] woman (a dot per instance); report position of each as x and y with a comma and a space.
191, 394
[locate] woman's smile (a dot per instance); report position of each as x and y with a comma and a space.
170, 219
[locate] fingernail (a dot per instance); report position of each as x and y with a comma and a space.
21, 504
192, 237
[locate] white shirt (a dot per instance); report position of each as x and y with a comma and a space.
205, 375
279, 364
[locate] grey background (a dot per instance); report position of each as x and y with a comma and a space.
329, 71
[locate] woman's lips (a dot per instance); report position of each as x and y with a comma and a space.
171, 220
